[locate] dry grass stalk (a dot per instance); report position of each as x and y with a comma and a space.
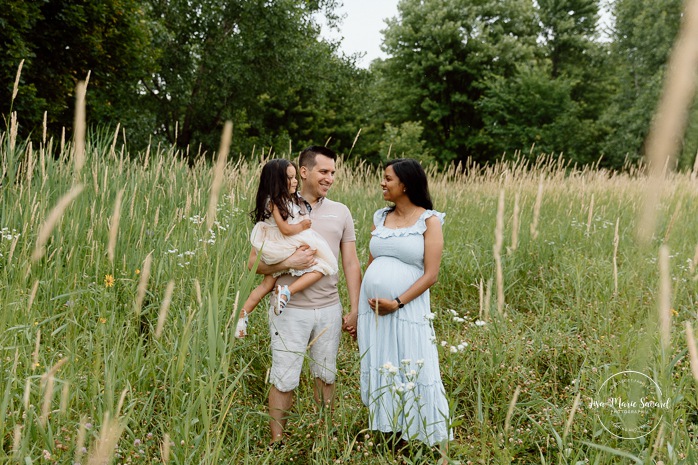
79, 127
112, 152
234, 312
510, 411
48, 397
591, 214
165, 448
692, 350
32, 295
312, 343
35, 354
80, 440
197, 290
164, 308
694, 171
26, 397
13, 131
616, 241
218, 173
570, 418
15, 88
669, 122
52, 219
481, 294
664, 298
497, 249
692, 266
114, 226
672, 220
106, 443
515, 224
488, 298
17, 439
65, 397
536, 209
143, 283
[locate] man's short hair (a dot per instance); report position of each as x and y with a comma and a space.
307, 156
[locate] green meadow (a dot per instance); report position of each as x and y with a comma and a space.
120, 280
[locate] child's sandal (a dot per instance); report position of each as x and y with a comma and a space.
282, 292
241, 328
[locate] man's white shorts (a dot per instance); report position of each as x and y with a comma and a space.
292, 332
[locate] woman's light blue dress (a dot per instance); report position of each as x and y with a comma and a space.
400, 377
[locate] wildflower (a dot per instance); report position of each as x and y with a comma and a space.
429, 316
453, 349
46, 454
480, 323
390, 368
453, 312
138, 271
406, 361
674, 312
410, 386
137, 442
109, 280
102, 320
444, 343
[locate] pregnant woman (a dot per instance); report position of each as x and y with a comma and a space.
400, 378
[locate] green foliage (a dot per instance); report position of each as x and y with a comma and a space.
642, 39
405, 142
64, 40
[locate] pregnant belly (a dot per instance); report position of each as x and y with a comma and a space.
387, 277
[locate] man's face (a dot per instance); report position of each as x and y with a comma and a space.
318, 180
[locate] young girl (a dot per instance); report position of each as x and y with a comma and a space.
279, 230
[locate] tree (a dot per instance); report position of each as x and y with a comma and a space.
441, 53
643, 34
64, 40
256, 62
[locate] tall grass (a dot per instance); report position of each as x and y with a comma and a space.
118, 288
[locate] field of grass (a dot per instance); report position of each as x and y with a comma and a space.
119, 288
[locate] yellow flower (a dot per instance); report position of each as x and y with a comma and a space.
102, 320
109, 280
674, 312
138, 271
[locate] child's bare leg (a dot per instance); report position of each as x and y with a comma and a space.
305, 281
252, 301
258, 293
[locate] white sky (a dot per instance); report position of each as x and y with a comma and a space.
361, 27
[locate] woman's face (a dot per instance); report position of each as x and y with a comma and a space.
392, 187
292, 180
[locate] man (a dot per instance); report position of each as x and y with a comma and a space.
312, 321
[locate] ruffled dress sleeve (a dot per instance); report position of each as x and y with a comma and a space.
419, 227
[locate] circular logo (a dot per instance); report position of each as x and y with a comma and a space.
629, 405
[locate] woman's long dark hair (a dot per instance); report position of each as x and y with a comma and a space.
412, 175
273, 189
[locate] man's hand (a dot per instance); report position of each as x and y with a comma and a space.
349, 322
302, 258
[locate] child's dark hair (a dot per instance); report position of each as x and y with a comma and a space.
273, 188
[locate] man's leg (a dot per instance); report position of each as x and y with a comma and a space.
324, 394
279, 405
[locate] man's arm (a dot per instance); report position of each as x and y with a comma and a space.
302, 258
352, 274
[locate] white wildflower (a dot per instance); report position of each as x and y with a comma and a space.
453, 349
480, 323
429, 316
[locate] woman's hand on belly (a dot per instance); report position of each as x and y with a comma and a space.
383, 306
